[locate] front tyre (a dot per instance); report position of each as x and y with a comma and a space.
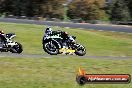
17, 48
80, 50
50, 48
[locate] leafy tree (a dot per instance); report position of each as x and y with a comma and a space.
52, 8
120, 11
87, 9
6, 6
129, 4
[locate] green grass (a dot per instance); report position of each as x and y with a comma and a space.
58, 72
96, 43
61, 72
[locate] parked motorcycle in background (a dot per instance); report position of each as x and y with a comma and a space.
60, 42
7, 44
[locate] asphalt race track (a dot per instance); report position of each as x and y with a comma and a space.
116, 28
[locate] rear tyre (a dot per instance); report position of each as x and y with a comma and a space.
17, 48
51, 48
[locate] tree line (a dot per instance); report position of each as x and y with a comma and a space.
118, 10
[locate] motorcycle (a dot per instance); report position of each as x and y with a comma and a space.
9, 45
54, 43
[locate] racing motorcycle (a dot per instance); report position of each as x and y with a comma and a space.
9, 45
55, 41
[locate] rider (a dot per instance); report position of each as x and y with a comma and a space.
2, 39
64, 35
2, 36
48, 31
1, 32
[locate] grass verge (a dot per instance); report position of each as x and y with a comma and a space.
58, 72
96, 43
61, 72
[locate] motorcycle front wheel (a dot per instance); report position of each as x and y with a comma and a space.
50, 48
17, 48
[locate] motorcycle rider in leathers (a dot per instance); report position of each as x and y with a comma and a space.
64, 36
2, 38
